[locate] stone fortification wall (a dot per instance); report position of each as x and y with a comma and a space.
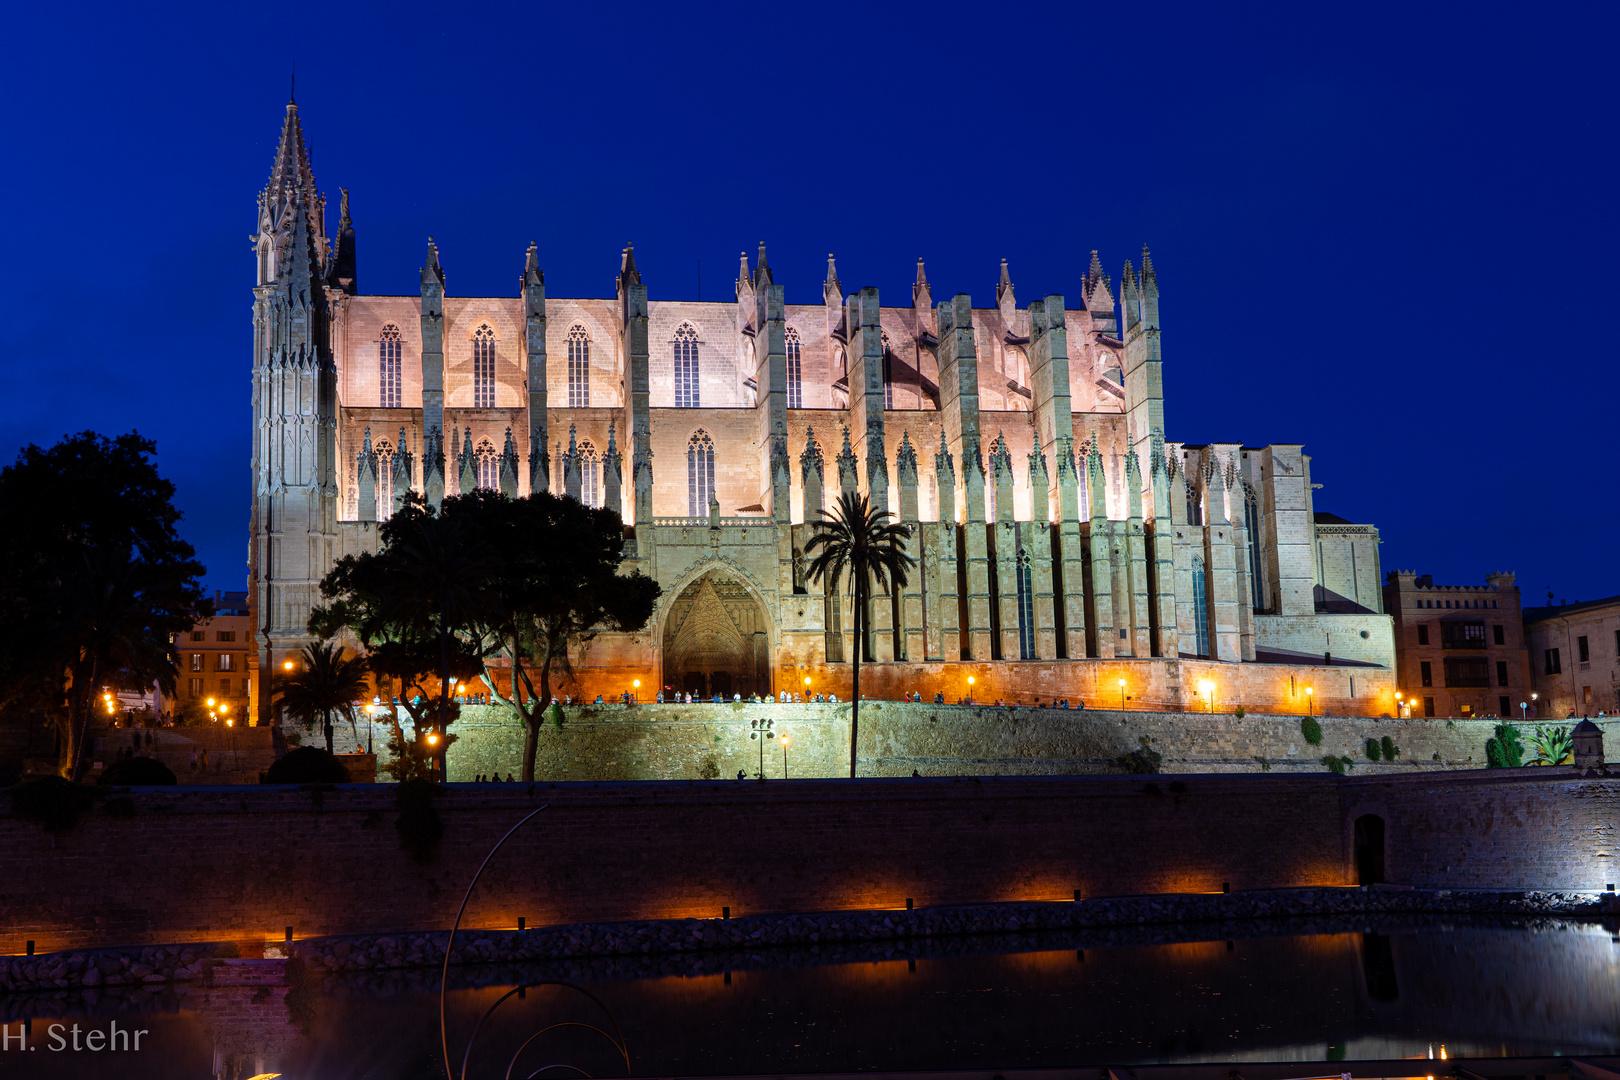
189, 864
681, 742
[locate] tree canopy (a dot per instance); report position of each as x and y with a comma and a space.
94, 581
486, 582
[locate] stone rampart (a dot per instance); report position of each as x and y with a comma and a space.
681, 742
199, 864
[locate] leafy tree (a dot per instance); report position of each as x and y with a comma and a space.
1505, 751
1553, 745
328, 682
94, 581
1374, 750
856, 538
420, 593
1311, 729
555, 584
1391, 751
516, 579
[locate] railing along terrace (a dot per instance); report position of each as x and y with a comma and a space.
703, 522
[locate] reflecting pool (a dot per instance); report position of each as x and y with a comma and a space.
1209, 992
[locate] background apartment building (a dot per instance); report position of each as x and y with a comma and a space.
217, 658
1459, 649
1575, 656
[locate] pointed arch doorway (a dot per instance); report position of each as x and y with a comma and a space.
717, 639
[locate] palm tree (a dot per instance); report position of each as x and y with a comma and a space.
329, 683
854, 537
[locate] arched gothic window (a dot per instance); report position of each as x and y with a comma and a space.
686, 368
590, 490
1200, 606
388, 366
1251, 518
1195, 506
795, 391
579, 368
484, 367
489, 466
699, 473
1026, 608
888, 373
385, 478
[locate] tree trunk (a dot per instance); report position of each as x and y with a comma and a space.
855, 698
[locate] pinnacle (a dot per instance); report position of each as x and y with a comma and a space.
922, 278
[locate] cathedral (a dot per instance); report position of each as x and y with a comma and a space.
1065, 546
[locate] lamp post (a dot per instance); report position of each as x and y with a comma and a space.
806, 693
1207, 688
970, 689
1122, 693
1533, 698
784, 757
1310, 698
760, 730
635, 695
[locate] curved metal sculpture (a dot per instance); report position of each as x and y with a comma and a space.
616, 1040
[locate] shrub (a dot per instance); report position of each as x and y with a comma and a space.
1391, 751
136, 772
709, 769
1504, 751
1144, 759
1338, 765
52, 801
1239, 712
1553, 746
1312, 731
1374, 751
419, 826
308, 765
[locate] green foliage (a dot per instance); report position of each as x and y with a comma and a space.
1374, 751
857, 538
52, 801
1505, 750
136, 772
1311, 730
94, 580
1391, 751
1144, 759
485, 576
708, 768
1553, 745
326, 684
419, 826
1338, 764
1239, 712
307, 765
409, 757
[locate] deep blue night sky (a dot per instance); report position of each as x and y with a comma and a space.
1384, 231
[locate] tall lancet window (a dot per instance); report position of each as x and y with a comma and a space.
388, 366
484, 367
579, 368
795, 385
489, 465
590, 489
686, 368
699, 473
1200, 606
888, 373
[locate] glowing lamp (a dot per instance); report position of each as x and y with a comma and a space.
636, 684
807, 680
970, 680
433, 738
287, 664
210, 703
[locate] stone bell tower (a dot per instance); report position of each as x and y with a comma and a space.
295, 490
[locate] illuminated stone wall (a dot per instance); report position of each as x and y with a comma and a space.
198, 864
674, 742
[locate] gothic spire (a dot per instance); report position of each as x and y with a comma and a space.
290, 172
920, 294
433, 273
343, 274
1004, 287
831, 290
1150, 281
628, 274
762, 272
532, 274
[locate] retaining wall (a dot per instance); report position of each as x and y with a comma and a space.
194, 864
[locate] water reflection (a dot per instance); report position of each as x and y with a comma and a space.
1376, 990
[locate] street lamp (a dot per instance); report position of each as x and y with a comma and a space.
1122, 693
1533, 698
784, 757
970, 689
1310, 694
1207, 688
806, 688
287, 665
761, 730
636, 685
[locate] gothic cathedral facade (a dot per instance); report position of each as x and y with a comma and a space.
1065, 547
